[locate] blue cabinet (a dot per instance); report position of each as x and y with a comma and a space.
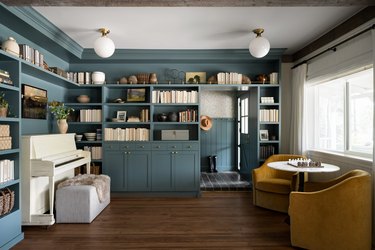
128, 165
152, 166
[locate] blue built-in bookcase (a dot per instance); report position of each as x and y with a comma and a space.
172, 167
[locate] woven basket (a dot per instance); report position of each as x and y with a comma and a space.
6, 201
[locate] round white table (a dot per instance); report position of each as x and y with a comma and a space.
284, 166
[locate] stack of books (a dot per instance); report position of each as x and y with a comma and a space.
5, 77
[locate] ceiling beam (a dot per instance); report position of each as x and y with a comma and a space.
188, 3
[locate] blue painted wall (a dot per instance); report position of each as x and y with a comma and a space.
220, 140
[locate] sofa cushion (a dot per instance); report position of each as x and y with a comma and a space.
274, 185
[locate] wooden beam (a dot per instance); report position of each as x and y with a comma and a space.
188, 3
360, 18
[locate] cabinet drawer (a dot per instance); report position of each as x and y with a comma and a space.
135, 146
190, 146
159, 146
111, 146
174, 146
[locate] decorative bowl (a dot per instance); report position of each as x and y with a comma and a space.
90, 136
83, 99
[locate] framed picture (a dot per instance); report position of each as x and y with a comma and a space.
136, 95
195, 77
34, 102
121, 116
263, 134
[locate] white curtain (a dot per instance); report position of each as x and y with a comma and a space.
297, 109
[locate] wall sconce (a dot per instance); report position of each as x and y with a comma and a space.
104, 46
259, 46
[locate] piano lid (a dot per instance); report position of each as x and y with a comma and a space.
52, 144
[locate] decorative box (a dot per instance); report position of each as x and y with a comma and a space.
172, 135
4, 130
5, 142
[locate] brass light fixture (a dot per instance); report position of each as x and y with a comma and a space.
259, 46
104, 46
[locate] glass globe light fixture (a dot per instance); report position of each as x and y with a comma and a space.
104, 46
259, 46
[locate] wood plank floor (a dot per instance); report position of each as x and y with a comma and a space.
217, 220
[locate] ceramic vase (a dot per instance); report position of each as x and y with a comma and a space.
62, 125
153, 78
11, 46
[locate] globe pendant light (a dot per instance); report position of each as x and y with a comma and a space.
104, 46
259, 46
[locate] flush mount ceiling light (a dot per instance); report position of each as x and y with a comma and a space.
259, 46
104, 46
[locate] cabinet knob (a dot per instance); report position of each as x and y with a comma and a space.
142, 146
157, 146
176, 152
129, 153
125, 152
174, 147
189, 146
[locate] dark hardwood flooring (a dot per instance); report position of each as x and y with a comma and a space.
217, 220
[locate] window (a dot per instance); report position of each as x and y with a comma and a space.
340, 114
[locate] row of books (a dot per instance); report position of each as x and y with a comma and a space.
229, 78
31, 55
266, 99
174, 96
6, 170
144, 115
90, 115
96, 152
5, 77
94, 169
126, 134
79, 77
266, 151
190, 115
269, 115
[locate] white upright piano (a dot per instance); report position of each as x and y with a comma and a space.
45, 160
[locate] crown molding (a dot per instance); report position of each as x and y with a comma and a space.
49, 30
178, 56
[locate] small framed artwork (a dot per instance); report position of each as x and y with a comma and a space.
121, 116
136, 95
195, 77
263, 134
34, 102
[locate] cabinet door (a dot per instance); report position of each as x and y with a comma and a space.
162, 171
138, 167
186, 176
113, 166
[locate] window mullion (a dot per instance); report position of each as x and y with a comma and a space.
346, 117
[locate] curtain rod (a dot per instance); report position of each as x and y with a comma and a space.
333, 48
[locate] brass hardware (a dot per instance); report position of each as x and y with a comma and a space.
258, 32
104, 31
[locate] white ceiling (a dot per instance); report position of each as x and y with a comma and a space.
197, 27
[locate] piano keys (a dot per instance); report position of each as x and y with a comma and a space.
46, 159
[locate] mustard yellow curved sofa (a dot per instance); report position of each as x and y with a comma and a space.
334, 214
271, 187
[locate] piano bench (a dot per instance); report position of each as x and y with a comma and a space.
78, 204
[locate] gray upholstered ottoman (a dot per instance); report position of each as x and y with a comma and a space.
79, 203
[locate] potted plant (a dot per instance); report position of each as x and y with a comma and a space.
3, 105
61, 113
